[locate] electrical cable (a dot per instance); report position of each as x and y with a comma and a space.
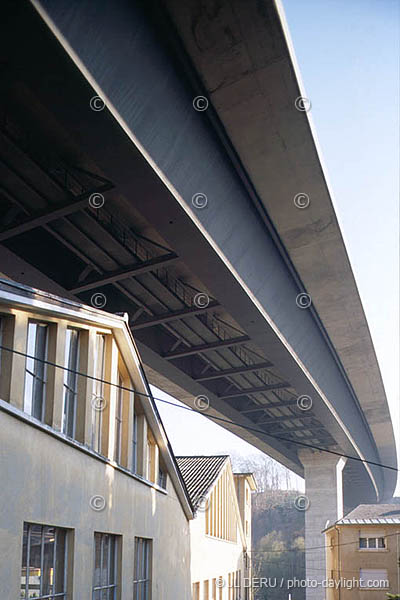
221, 419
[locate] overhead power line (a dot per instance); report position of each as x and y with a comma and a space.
193, 410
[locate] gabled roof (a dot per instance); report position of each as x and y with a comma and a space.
199, 474
372, 514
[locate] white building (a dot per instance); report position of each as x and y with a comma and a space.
93, 506
220, 534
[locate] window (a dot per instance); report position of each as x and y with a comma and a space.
134, 443
374, 578
44, 562
118, 421
71, 363
162, 477
372, 543
221, 584
206, 590
98, 392
196, 591
35, 370
105, 574
220, 521
142, 573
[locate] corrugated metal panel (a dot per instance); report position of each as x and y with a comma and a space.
199, 473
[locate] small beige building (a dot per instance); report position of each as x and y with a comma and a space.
93, 506
363, 554
220, 534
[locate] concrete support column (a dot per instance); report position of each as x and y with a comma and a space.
324, 491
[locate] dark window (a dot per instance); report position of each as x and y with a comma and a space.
98, 392
142, 572
118, 422
70, 381
35, 370
162, 478
134, 443
44, 562
105, 567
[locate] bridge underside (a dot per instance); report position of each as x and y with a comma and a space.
147, 253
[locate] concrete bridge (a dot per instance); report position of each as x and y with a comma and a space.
155, 156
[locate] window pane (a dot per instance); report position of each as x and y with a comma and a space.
363, 542
34, 561
24, 561
60, 562
35, 372
381, 543
48, 560
70, 381
118, 422
112, 570
39, 369
134, 457
106, 558
371, 542
98, 392
97, 560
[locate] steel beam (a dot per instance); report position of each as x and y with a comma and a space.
234, 371
126, 272
304, 428
51, 215
269, 406
207, 347
273, 420
255, 390
173, 316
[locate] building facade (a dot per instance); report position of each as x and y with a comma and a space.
363, 553
220, 534
94, 506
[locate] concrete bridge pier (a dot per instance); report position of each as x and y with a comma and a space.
324, 502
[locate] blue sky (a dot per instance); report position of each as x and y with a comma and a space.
348, 54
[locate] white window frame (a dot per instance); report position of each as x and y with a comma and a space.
376, 547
